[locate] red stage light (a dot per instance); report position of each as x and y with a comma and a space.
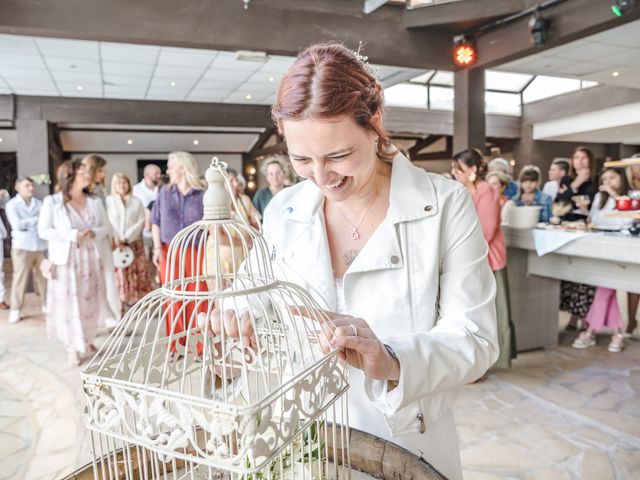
464, 54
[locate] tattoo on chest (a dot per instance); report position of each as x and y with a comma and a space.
349, 256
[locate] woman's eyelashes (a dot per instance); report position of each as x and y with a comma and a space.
340, 156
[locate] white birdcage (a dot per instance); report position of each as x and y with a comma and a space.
167, 397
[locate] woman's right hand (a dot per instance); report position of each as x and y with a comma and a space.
582, 176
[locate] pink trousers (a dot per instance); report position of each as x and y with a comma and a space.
604, 310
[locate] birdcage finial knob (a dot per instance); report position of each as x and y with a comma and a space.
216, 200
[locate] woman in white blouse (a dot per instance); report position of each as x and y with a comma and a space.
126, 215
74, 223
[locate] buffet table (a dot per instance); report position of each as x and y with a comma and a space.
602, 259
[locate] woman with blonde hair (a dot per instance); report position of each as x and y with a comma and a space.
178, 205
127, 214
96, 168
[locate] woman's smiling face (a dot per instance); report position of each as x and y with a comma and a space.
338, 155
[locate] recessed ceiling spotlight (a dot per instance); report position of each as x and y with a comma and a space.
173, 84
196, 142
130, 142
80, 87
73, 66
271, 79
615, 74
248, 96
0, 140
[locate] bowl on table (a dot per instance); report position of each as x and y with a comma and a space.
523, 217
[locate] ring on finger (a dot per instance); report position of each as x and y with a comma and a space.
355, 330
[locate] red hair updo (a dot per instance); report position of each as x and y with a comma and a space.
326, 81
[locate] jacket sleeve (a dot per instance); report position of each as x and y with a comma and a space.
15, 221
464, 342
103, 227
47, 229
135, 223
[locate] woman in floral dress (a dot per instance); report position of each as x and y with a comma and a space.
73, 222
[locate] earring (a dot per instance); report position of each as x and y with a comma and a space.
472, 177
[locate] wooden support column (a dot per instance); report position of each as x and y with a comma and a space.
468, 114
38, 151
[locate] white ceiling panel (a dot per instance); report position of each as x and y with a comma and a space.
226, 75
20, 60
592, 58
57, 47
18, 45
128, 69
186, 57
174, 73
46, 66
124, 80
121, 52
118, 91
79, 65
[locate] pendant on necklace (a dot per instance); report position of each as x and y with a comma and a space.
355, 235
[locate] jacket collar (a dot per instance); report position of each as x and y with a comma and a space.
411, 196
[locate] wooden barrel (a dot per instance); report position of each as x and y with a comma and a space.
371, 455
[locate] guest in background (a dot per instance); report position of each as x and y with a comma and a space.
579, 187
578, 190
557, 171
502, 165
275, 171
500, 182
27, 249
529, 193
633, 175
4, 196
126, 215
147, 188
604, 310
73, 222
469, 168
178, 205
97, 169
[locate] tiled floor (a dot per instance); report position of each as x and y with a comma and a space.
558, 414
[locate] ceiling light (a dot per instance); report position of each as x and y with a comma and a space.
464, 52
248, 96
620, 7
271, 79
251, 56
251, 170
538, 26
0, 140
173, 84
130, 142
512, 163
196, 142
73, 66
80, 87
251, 184
615, 74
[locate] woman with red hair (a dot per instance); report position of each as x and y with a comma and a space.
395, 252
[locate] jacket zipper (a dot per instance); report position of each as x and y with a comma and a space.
421, 426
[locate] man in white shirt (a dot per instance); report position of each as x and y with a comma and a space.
4, 197
27, 249
558, 169
147, 189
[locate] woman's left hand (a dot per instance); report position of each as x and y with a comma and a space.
362, 348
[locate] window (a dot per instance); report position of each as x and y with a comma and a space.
506, 81
502, 103
441, 98
545, 87
406, 95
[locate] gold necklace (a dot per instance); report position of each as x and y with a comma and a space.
355, 234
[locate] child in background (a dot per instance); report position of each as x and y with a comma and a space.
529, 193
604, 310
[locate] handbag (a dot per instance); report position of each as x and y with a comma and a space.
122, 257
